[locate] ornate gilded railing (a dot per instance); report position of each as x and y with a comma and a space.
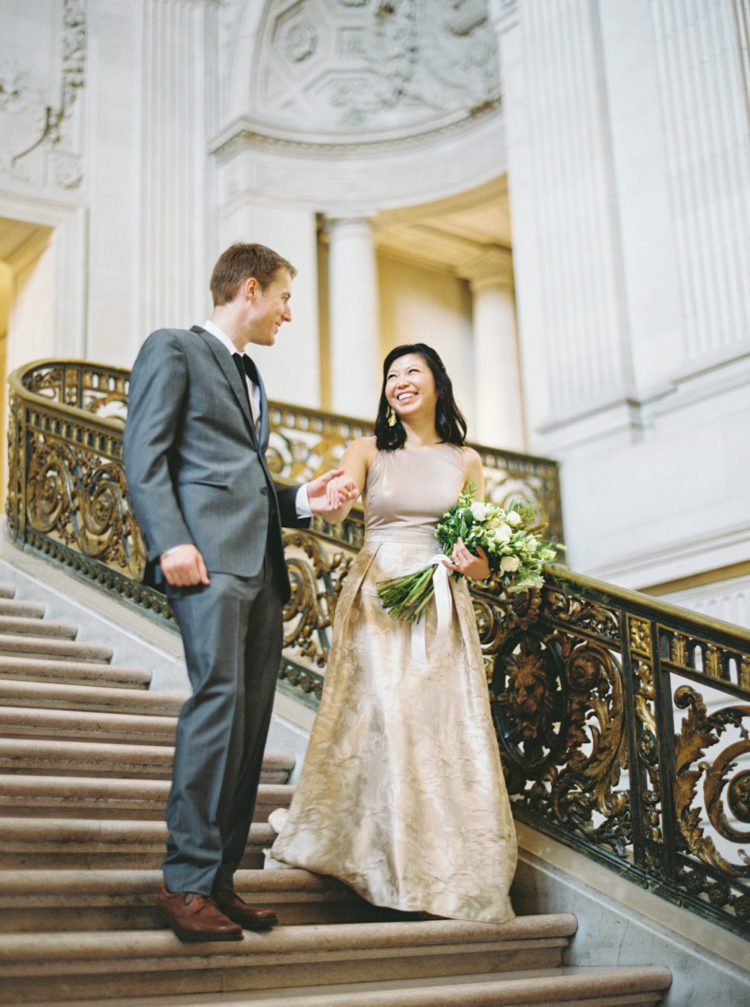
623, 722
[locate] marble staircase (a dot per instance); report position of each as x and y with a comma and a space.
85, 754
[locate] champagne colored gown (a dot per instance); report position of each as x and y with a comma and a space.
402, 794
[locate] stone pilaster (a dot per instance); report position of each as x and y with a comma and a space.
562, 194
702, 59
174, 126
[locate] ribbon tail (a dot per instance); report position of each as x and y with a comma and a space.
443, 604
418, 648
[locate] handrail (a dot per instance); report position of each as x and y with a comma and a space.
623, 721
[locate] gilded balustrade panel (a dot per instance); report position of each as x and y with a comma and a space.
588, 703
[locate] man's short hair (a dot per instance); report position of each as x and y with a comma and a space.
241, 261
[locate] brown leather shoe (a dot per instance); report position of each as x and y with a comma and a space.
251, 919
195, 917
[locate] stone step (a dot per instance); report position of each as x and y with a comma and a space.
120, 728
46, 966
74, 797
77, 843
70, 758
58, 900
22, 626
28, 609
585, 987
50, 647
54, 696
7, 590
84, 672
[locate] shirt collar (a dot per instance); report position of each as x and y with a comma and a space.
223, 338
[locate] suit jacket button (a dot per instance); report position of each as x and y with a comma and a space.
264, 490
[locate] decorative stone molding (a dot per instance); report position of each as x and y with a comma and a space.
26, 118
372, 67
342, 179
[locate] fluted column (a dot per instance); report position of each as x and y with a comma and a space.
174, 222
702, 57
353, 305
497, 380
566, 249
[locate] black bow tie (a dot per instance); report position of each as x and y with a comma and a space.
246, 366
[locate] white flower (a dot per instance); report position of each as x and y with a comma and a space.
513, 518
503, 533
509, 564
480, 510
529, 544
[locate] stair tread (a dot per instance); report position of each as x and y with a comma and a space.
62, 786
22, 666
85, 725
21, 643
53, 695
19, 606
315, 939
47, 885
28, 625
569, 985
64, 831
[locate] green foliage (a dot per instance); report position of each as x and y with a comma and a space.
510, 537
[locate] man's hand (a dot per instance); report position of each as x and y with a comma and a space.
330, 492
184, 567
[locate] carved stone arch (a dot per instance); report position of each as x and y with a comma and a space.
338, 105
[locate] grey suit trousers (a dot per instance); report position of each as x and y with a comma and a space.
233, 633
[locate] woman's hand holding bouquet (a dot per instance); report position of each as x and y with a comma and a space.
509, 539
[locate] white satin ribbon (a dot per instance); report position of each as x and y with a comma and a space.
444, 606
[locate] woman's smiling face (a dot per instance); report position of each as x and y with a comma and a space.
410, 387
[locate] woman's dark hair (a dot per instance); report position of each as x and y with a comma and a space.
449, 421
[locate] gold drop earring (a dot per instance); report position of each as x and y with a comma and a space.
391, 417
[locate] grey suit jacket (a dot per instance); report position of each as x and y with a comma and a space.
195, 470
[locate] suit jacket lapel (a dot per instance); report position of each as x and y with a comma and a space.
227, 365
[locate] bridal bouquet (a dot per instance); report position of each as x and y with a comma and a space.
510, 537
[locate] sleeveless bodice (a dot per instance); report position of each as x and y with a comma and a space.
410, 490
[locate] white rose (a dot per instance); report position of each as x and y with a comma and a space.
503, 533
509, 564
513, 517
480, 510
530, 544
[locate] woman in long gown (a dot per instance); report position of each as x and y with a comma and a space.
402, 794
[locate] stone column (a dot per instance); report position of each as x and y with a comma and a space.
353, 306
174, 257
497, 381
566, 241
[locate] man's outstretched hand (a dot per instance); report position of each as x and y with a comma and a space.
329, 494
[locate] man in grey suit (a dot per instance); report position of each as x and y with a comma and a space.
194, 450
